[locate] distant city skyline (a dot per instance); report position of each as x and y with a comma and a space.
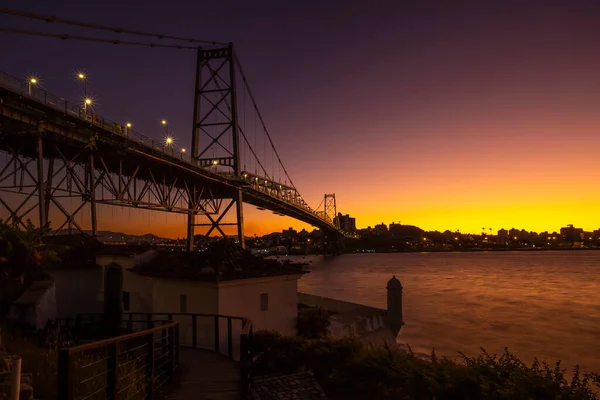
443, 116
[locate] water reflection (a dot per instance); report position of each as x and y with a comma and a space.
544, 304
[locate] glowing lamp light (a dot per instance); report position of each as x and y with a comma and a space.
88, 101
215, 162
33, 81
164, 122
169, 140
81, 75
128, 124
245, 175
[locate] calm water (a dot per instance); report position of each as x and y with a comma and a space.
544, 304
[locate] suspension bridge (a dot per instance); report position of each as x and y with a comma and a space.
57, 149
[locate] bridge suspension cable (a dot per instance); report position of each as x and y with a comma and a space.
58, 20
247, 85
93, 39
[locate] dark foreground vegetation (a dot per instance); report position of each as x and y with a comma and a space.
348, 370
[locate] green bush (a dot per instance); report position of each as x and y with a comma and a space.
313, 322
346, 369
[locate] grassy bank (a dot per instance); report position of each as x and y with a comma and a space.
347, 370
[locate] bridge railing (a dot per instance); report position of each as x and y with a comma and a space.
85, 113
228, 335
131, 366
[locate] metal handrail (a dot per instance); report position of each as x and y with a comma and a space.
246, 336
122, 360
34, 92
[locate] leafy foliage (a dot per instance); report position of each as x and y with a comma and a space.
313, 322
346, 369
22, 255
22, 250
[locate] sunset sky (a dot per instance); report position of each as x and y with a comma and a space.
444, 115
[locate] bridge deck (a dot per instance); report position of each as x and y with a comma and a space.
205, 375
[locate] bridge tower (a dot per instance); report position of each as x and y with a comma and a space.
330, 209
215, 137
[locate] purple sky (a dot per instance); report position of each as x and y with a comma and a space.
386, 103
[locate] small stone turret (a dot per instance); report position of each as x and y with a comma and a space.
394, 305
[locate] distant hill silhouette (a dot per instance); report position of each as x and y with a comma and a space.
105, 236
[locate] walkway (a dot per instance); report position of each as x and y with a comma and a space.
205, 375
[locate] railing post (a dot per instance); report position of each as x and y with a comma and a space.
244, 366
130, 322
149, 324
216, 334
64, 389
177, 348
194, 331
15, 378
229, 338
112, 377
171, 332
150, 367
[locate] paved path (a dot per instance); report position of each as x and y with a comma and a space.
204, 375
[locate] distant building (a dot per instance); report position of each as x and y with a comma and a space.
290, 233
346, 222
514, 234
381, 228
503, 236
571, 235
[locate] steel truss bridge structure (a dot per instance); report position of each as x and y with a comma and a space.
57, 150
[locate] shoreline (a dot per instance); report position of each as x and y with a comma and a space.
471, 250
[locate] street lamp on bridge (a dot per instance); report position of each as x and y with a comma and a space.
127, 127
31, 81
82, 77
86, 102
168, 142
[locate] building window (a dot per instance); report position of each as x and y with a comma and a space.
264, 302
182, 303
125, 301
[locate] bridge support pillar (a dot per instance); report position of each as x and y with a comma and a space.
41, 187
92, 194
190, 231
239, 208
